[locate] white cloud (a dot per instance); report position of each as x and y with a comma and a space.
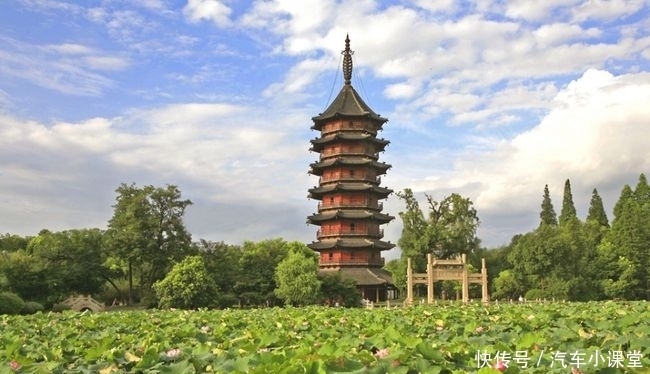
210, 10
57, 67
537, 10
595, 133
606, 9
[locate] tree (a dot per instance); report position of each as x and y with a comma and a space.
507, 286
297, 279
187, 286
597, 210
449, 229
147, 232
568, 213
258, 261
222, 261
12, 243
626, 245
547, 215
334, 289
55, 264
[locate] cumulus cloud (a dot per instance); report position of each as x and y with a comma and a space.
594, 134
209, 10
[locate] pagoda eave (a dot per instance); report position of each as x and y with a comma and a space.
354, 214
317, 192
344, 243
349, 161
319, 143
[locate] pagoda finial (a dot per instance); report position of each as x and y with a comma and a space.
347, 61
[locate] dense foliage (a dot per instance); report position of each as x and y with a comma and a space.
604, 337
569, 259
563, 258
188, 285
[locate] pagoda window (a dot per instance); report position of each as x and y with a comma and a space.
353, 227
351, 172
331, 255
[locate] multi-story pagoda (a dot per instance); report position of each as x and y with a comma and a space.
350, 212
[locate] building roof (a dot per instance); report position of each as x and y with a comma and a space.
350, 214
347, 103
363, 276
351, 243
319, 142
316, 192
351, 160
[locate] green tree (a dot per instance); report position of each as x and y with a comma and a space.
147, 232
222, 262
626, 245
397, 268
187, 286
256, 285
547, 215
597, 210
12, 243
297, 279
56, 264
334, 289
568, 213
507, 286
449, 229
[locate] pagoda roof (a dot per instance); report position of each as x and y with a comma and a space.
347, 103
363, 276
350, 160
318, 142
351, 187
350, 214
351, 243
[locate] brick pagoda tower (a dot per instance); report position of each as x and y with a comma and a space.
350, 212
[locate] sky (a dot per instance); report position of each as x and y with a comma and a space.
490, 99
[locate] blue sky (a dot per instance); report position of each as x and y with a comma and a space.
490, 99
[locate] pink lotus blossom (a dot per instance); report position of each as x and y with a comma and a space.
14, 365
382, 353
173, 353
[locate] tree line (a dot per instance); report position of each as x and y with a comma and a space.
564, 258
146, 256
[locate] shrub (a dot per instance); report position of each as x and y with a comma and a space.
10, 303
535, 294
187, 286
32, 307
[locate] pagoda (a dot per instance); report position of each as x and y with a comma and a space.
349, 190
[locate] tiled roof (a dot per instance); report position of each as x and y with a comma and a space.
364, 276
357, 243
347, 103
351, 214
352, 187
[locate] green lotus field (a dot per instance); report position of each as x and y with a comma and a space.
598, 337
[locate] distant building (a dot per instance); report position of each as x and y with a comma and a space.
350, 212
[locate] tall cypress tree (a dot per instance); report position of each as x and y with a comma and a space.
568, 212
547, 215
597, 210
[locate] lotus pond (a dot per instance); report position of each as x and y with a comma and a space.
603, 337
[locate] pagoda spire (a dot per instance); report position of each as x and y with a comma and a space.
347, 61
